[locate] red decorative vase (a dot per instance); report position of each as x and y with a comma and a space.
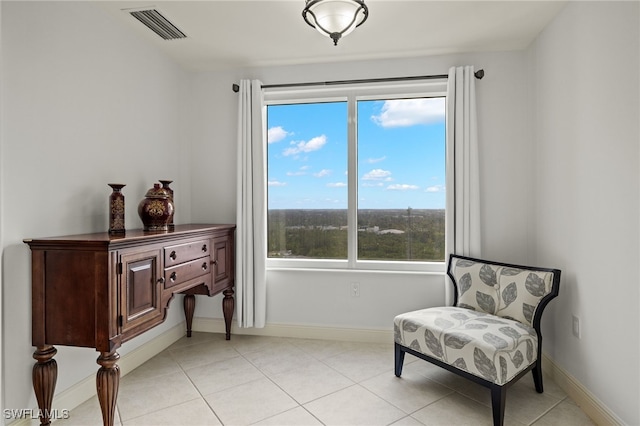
156, 209
165, 185
116, 209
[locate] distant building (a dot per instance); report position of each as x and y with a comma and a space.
374, 229
391, 231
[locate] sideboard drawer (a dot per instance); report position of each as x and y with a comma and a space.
186, 271
174, 255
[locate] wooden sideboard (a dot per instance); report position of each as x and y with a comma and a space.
100, 290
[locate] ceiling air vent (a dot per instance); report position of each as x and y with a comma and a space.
158, 24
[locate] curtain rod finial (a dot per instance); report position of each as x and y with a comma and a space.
235, 88
479, 74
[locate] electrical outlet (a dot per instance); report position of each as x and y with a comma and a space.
355, 289
576, 326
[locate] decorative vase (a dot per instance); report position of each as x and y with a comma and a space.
155, 209
165, 185
116, 209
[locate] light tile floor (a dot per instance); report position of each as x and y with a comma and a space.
206, 380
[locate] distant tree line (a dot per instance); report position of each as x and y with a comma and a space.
383, 234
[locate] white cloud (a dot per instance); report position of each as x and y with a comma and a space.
323, 173
336, 185
276, 134
377, 174
375, 160
276, 183
302, 146
435, 188
300, 172
402, 187
410, 112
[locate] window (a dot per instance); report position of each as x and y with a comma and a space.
356, 177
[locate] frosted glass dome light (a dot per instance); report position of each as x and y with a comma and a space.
335, 18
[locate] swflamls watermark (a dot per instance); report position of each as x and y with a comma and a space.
34, 414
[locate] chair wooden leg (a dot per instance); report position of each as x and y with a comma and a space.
537, 376
399, 359
498, 399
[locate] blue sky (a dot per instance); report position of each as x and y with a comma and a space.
401, 153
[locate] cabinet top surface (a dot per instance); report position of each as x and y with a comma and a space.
130, 236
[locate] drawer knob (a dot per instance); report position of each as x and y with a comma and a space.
173, 276
204, 248
173, 255
161, 280
204, 266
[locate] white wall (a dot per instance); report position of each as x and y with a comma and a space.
85, 102
586, 93
322, 298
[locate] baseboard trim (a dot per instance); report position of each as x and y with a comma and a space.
588, 402
214, 325
85, 389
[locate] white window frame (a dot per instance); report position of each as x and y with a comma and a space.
351, 94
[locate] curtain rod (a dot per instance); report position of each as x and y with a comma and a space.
478, 74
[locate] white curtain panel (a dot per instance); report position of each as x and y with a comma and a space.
463, 177
251, 224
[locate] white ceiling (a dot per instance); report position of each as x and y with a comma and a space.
240, 33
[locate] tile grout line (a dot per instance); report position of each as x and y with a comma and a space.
193, 384
549, 410
300, 405
354, 383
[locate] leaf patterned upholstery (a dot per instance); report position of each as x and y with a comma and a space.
490, 347
504, 291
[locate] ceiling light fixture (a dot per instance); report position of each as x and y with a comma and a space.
335, 18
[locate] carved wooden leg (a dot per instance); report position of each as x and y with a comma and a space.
45, 374
189, 308
228, 304
107, 381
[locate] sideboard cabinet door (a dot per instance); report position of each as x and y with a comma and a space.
223, 262
140, 290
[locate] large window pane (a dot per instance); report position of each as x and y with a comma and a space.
401, 177
307, 180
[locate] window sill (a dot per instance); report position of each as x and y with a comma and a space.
422, 268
